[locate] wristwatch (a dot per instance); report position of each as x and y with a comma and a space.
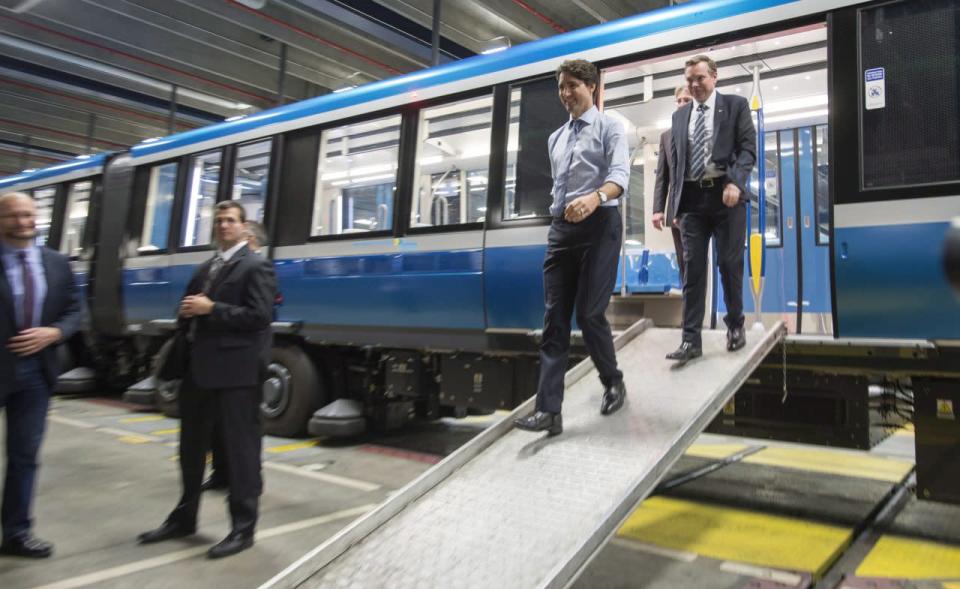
603, 196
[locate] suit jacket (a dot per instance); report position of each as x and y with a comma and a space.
231, 345
666, 177
734, 144
61, 309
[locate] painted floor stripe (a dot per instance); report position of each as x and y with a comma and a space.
767, 574
166, 432
681, 555
143, 565
143, 419
125, 432
73, 422
322, 476
898, 557
292, 446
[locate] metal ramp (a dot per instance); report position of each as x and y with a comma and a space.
517, 509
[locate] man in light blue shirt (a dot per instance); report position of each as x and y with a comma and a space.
589, 161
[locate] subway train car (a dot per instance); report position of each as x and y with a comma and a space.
408, 217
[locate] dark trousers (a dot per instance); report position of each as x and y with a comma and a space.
702, 216
678, 246
235, 415
26, 404
579, 272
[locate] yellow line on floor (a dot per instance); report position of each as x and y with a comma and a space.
166, 432
906, 558
951, 585
172, 557
143, 419
292, 446
134, 440
715, 451
835, 462
738, 535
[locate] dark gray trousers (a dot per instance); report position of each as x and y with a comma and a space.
579, 272
702, 216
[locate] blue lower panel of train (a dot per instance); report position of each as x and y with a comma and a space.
890, 283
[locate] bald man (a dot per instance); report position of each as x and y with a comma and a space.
40, 307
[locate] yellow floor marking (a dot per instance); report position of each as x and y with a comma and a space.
833, 462
143, 419
735, 534
716, 451
291, 447
166, 432
905, 558
133, 439
951, 585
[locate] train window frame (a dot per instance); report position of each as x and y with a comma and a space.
399, 179
172, 226
413, 153
229, 189
778, 244
183, 194
819, 241
57, 189
68, 202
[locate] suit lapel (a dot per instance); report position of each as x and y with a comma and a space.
228, 268
681, 123
719, 116
51, 284
6, 296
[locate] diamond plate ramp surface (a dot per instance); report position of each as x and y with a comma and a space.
529, 511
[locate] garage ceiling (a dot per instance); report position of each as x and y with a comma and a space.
85, 76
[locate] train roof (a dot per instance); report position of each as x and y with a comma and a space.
79, 167
648, 30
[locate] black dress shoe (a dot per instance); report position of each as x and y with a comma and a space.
214, 483
27, 546
736, 339
613, 398
540, 421
685, 353
167, 531
234, 542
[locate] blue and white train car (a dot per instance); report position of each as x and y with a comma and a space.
408, 217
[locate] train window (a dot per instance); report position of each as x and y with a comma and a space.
535, 113
44, 198
450, 181
910, 106
250, 177
197, 223
78, 203
156, 221
771, 186
357, 178
822, 185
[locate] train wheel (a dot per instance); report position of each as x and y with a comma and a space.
167, 390
292, 391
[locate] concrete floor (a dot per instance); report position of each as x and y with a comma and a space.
110, 472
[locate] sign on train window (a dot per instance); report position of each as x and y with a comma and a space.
156, 219
535, 113
250, 178
44, 197
453, 153
196, 227
78, 204
910, 100
357, 178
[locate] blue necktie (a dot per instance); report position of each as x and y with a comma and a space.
698, 152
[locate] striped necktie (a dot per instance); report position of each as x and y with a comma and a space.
698, 151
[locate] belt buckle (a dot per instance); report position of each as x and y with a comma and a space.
706, 182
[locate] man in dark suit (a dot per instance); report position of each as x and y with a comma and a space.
714, 150
226, 315
664, 212
41, 308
